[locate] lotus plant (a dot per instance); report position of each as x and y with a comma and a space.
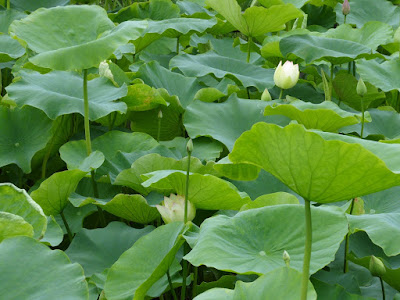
173, 209
286, 75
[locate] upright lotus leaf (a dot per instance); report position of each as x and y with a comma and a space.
27, 5
23, 133
58, 93
233, 171
98, 249
17, 201
383, 230
144, 263
157, 76
313, 48
75, 160
372, 34
10, 49
326, 116
221, 66
7, 16
253, 241
77, 47
282, 283
316, 169
52, 194
215, 119
13, 225
30, 270
154, 162
142, 97
271, 199
205, 191
171, 28
255, 21
363, 11
384, 76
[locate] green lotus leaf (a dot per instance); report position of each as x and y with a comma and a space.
54, 234
253, 241
155, 162
313, 48
8, 16
271, 199
86, 163
221, 66
52, 194
98, 249
75, 217
383, 230
265, 287
382, 202
176, 84
144, 263
77, 47
316, 169
335, 291
142, 97
205, 191
236, 171
58, 93
326, 116
17, 202
13, 225
23, 133
215, 119
255, 21
297, 3
42, 273
372, 34
27, 5
10, 49
382, 75
363, 11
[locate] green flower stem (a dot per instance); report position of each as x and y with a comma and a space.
331, 83
280, 94
185, 267
354, 68
344, 21
383, 289
346, 245
307, 251
8, 4
66, 226
195, 276
171, 287
248, 48
187, 187
349, 67
362, 117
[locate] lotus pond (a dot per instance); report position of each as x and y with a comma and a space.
200, 149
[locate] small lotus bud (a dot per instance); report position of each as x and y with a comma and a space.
160, 114
376, 267
266, 96
346, 7
173, 209
104, 70
361, 88
286, 258
286, 75
189, 146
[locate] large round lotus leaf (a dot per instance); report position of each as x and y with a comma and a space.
85, 38
312, 48
385, 76
34, 5
282, 283
8, 16
144, 263
155, 162
98, 249
233, 171
10, 49
52, 194
326, 116
205, 191
215, 119
316, 169
255, 21
253, 241
13, 225
221, 66
383, 230
271, 199
363, 11
30, 270
75, 160
23, 133
58, 93
142, 97
17, 201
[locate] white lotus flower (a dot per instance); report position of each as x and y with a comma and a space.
173, 209
286, 75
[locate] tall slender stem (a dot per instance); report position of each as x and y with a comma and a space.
307, 251
8, 4
185, 267
280, 94
331, 83
86, 114
362, 117
346, 245
248, 48
196, 274
66, 226
354, 68
171, 287
187, 187
383, 289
